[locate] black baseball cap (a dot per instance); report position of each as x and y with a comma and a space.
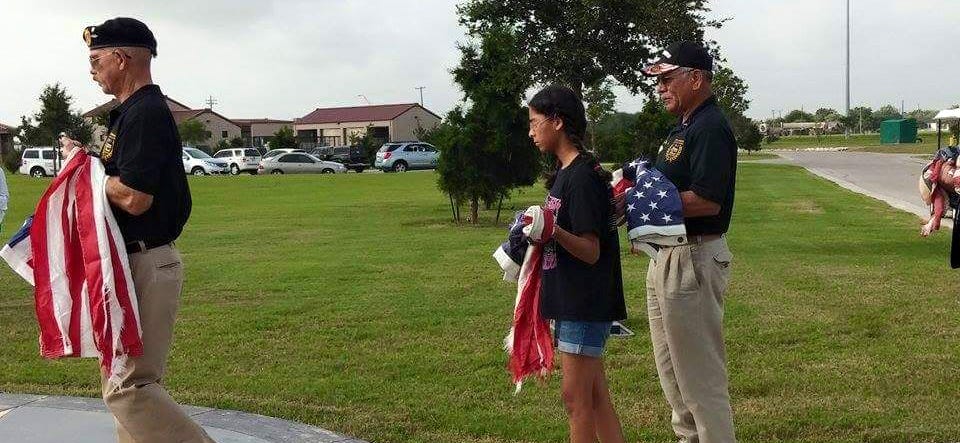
120, 31
685, 54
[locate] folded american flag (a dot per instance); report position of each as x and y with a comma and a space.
529, 344
654, 210
72, 252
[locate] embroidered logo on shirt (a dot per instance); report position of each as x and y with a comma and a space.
553, 205
674, 151
106, 152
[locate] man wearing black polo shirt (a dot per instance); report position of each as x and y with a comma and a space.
685, 284
151, 202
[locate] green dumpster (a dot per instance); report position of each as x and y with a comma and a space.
898, 131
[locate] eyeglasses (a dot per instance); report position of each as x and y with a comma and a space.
666, 80
536, 124
94, 62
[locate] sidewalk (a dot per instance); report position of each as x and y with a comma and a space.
54, 419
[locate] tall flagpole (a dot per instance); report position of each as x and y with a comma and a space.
846, 103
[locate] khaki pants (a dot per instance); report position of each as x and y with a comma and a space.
143, 410
685, 286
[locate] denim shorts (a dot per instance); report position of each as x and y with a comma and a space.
582, 337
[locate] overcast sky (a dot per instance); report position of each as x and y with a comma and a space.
284, 58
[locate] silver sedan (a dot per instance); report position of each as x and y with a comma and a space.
299, 163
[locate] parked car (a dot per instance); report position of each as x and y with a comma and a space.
299, 163
38, 162
352, 157
240, 160
197, 162
276, 152
404, 156
321, 152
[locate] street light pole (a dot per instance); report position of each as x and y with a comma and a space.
846, 101
421, 88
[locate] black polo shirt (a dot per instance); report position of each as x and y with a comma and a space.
143, 149
571, 289
700, 155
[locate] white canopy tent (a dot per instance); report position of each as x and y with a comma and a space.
951, 116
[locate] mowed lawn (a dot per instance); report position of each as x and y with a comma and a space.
352, 302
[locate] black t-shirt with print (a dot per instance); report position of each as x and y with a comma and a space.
571, 289
143, 149
700, 155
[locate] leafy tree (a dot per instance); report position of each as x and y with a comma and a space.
370, 145
731, 93
798, 115
55, 116
485, 149
223, 144
583, 42
284, 138
887, 112
860, 118
237, 143
600, 102
193, 132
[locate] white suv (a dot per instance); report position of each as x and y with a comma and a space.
240, 160
197, 162
38, 162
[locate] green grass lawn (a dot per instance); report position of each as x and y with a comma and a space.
859, 142
353, 303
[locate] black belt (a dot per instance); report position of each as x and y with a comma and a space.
144, 246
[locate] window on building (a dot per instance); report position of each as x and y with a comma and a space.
223, 134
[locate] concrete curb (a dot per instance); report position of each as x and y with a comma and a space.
19, 411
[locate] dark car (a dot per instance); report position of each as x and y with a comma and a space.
352, 157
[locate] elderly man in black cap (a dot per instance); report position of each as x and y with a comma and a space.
686, 283
151, 201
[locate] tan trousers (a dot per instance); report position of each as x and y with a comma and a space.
143, 410
685, 286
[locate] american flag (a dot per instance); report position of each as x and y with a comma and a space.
73, 254
654, 210
510, 254
529, 344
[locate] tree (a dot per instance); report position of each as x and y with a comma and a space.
797, 115
485, 150
55, 116
600, 101
193, 132
284, 138
887, 112
223, 144
731, 93
370, 145
860, 118
583, 42
237, 143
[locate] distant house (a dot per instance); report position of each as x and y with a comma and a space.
336, 126
257, 132
6, 138
220, 127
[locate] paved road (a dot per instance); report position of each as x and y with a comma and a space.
888, 177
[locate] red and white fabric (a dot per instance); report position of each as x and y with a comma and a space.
530, 344
84, 295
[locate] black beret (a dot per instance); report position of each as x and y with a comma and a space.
121, 31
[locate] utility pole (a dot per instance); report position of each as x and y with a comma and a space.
846, 101
211, 101
421, 88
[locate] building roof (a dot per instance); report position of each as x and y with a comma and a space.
108, 106
369, 113
249, 121
181, 116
